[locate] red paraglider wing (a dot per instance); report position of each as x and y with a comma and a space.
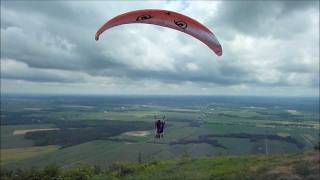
166, 19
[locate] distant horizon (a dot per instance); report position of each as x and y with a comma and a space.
159, 95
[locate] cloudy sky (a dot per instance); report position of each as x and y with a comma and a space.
270, 48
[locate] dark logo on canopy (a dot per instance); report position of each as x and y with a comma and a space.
181, 24
143, 17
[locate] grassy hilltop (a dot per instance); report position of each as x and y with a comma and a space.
293, 166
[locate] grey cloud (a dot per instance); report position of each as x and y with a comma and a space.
43, 48
263, 18
60, 35
35, 77
11, 69
297, 68
296, 5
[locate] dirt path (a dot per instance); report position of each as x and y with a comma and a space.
137, 133
24, 131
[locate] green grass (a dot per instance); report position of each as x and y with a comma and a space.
225, 167
102, 153
299, 166
18, 154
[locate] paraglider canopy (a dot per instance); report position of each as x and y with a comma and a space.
168, 19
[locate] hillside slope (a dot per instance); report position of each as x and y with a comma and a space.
303, 166
293, 166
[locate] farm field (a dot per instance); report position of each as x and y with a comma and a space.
11, 140
18, 154
68, 131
